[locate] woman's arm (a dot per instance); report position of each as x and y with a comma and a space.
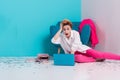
76, 42
56, 37
77, 45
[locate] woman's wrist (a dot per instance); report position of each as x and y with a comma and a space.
60, 30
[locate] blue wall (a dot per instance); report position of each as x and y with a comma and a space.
24, 24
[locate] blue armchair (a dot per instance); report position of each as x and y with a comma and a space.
84, 34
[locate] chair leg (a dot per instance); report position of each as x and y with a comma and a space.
59, 50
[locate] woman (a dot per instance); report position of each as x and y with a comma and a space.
70, 42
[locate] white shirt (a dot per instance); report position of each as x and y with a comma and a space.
73, 43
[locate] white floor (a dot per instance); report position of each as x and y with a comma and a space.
17, 68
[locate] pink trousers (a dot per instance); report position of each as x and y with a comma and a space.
91, 55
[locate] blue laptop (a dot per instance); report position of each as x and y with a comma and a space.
64, 59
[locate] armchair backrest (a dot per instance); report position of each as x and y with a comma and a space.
85, 35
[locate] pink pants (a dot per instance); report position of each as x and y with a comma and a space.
91, 55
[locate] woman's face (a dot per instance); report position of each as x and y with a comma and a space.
67, 31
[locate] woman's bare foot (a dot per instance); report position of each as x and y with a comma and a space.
100, 60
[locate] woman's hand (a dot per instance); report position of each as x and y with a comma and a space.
72, 52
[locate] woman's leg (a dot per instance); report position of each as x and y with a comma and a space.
83, 58
105, 55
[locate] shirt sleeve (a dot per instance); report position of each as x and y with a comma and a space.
56, 41
77, 44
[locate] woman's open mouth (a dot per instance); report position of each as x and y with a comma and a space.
66, 34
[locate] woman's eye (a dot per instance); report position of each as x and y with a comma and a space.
67, 28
